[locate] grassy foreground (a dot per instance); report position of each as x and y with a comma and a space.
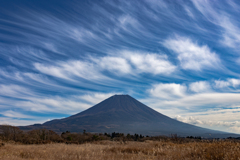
110, 150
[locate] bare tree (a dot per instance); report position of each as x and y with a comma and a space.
10, 132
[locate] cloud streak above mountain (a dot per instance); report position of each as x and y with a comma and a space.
192, 56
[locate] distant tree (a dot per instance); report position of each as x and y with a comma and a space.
43, 136
128, 136
11, 132
69, 138
113, 135
136, 136
106, 134
95, 137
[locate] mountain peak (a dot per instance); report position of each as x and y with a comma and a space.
122, 113
118, 103
121, 95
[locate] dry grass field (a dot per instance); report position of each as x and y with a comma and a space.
111, 150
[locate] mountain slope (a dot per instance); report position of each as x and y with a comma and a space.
122, 113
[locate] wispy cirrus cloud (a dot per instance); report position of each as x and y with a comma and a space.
201, 86
233, 126
127, 62
94, 98
33, 107
191, 55
14, 114
14, 91
218, 16
168, 91
149, 62
194, 96
114, 64
19, 122
230, 82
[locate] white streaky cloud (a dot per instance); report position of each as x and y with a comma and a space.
70, 69
191, 55
68, 105
190, 120
35, 80
231, 36
189, 12
125, 23
25, 76
198, 95
30, 101
231, 33
221, 84
52, 47
131, 26
14, 114
75, 32
201, 86
92, 68
29, 53
228, 113
168, 91
234, 5
71, 105
23, 56
128, 20
205, 99
96, 97
206, 8
216, 113
149, 62
20, 122
233, 126
14, 91
230, 82
81, 69
60, 104
46, 24
50, 70
234, 82
53, 104
80, 34
163, 9
151, 14
235, 129
238, 61
33, 106
115, 64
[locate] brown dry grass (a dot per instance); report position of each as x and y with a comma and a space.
110, 150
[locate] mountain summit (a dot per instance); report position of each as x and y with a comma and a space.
122, 113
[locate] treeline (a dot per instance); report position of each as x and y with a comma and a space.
39, 136
43, 136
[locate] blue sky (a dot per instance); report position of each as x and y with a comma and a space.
181, 58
